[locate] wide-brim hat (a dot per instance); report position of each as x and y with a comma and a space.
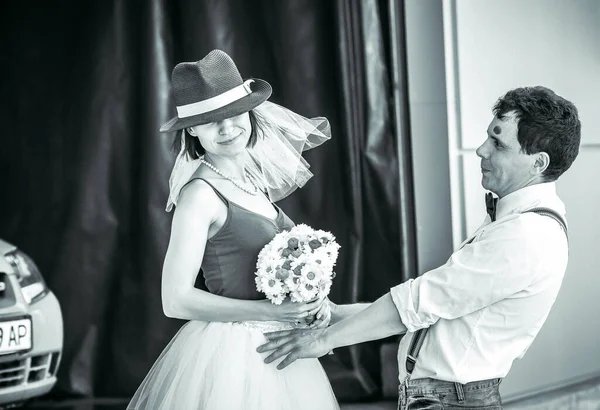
211, 90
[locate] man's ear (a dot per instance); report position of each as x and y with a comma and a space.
541, 163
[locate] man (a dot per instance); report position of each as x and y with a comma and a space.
484, 307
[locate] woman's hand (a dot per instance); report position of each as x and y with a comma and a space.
323, 315
293, 312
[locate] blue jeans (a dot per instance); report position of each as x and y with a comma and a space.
431, 394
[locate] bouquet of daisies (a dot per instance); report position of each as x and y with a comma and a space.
297, 263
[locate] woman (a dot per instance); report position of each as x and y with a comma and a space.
236, 148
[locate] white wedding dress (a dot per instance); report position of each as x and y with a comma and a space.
215, 365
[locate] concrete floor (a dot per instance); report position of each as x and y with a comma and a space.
584, 397
384, 405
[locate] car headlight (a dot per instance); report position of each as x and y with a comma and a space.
33, 286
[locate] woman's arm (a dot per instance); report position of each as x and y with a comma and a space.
196, 211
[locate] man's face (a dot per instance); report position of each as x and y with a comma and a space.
504, 167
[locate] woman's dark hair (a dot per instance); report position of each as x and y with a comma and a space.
195, 149
546, 123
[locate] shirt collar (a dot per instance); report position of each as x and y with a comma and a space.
532, 196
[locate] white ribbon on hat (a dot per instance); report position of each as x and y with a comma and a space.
219, 101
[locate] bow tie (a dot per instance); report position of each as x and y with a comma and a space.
490, 204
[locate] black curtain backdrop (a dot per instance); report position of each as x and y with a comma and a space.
85, 87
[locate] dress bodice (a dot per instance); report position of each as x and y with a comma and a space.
230, 256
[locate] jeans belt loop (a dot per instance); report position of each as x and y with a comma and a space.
460, 393
403, 390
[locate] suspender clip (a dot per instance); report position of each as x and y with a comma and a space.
410, 363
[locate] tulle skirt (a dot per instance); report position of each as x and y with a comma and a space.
215, 366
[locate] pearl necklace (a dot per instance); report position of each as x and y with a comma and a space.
233, 181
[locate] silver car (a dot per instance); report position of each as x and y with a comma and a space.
31, 329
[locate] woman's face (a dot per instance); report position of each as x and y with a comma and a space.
228, 137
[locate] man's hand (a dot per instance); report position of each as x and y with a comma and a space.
379, 320
295, 344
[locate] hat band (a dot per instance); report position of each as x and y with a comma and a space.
214, 103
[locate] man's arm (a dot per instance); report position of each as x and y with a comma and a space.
505, 260
341, 312
365, 322
379, 320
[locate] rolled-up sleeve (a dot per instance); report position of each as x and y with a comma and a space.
411, 316
502, 261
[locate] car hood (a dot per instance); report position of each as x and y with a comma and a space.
6, 247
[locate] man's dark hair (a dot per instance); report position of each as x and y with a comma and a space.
195, 149
546, 123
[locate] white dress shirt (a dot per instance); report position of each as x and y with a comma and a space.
485, 306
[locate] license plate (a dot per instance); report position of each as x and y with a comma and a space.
15, 335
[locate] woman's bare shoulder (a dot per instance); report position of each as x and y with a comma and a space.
198, 194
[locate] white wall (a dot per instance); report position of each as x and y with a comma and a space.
492, 46
429, 131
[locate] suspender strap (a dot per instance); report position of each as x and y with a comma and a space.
413, 351
552, 214
419, 336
